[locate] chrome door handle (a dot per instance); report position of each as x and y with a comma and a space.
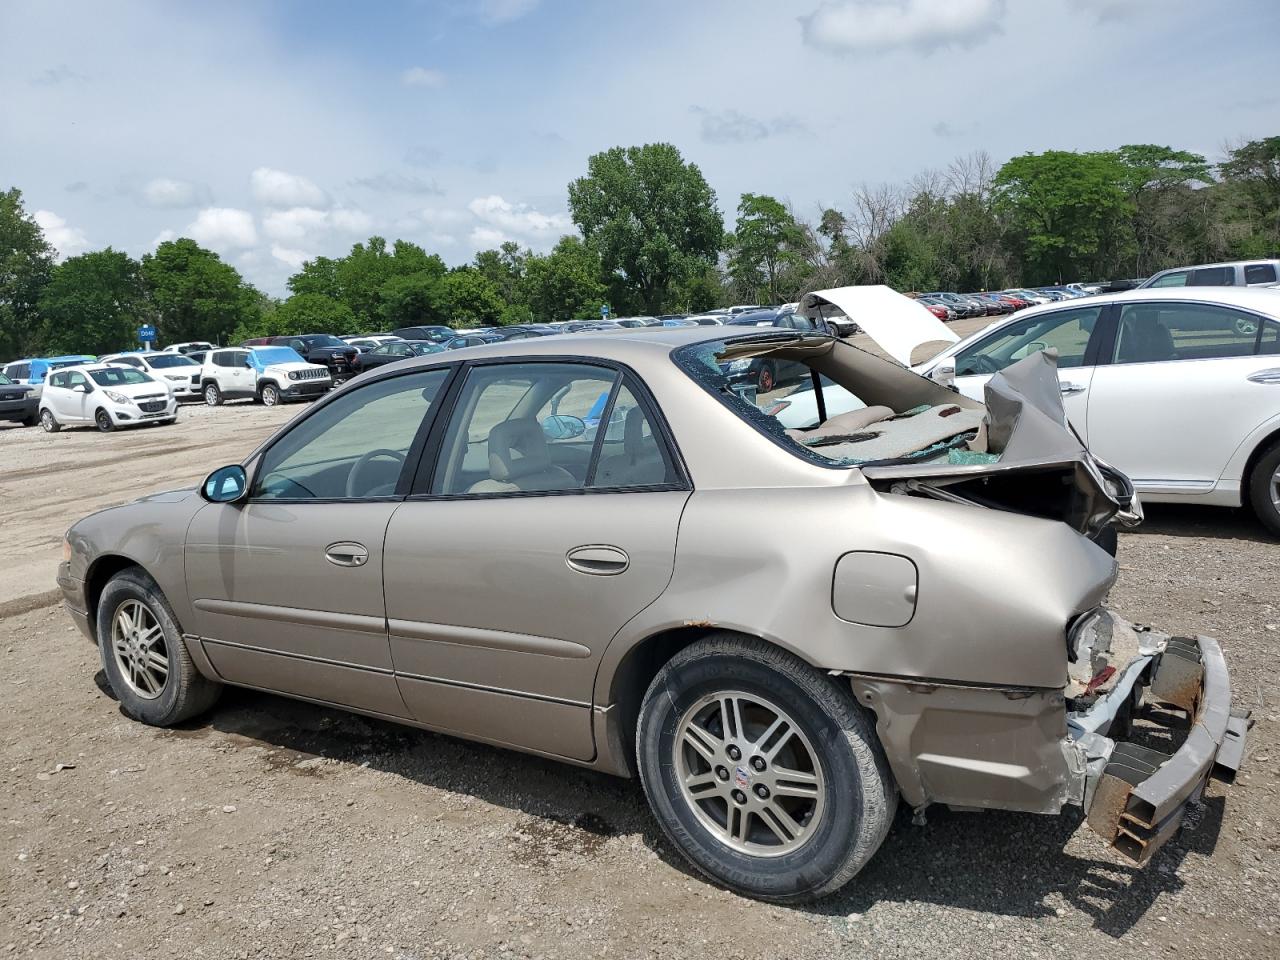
347, 554
600, 560
1266, 376
1070, 389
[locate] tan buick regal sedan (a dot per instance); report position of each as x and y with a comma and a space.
609, 549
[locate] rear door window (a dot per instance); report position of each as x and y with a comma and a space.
1176, 279
1213, 277
1164, 332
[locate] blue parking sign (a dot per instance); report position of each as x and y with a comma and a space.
147, 333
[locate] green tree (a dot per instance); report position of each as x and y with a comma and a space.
765, 245
301, 313
1251, 176
505, 268
26, 263
1158, 183
410, 300
652, 217
468, 299
93, 303
1068, 211
194, 295
360, 278
565, 284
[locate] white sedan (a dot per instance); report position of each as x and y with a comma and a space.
1179, 388
106, 396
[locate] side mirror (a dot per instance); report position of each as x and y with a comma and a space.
944, 374
248, 363
561, 427
225, 485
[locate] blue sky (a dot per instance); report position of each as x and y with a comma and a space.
274, 132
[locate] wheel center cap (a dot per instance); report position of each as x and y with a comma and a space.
742, 775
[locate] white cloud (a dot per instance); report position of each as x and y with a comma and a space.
350, 220
301, 223
517, 218
275, 188
422, 77
66, 239
869, 26
164, 236
504, 11
484, 238
732, 126
289, 256
223, 228
437, 217
295, 223
163, 192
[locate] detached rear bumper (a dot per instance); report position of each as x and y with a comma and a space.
1136, 796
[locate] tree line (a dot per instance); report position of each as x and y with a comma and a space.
652, 239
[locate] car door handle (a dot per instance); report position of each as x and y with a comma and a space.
1070, 389
600, 560
1266, 376
347, 554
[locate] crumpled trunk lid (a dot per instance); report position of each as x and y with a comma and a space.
1026, 459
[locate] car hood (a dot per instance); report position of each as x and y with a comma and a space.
896, 323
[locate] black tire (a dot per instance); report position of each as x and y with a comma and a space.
32, 420
49, 422
270, 394
1108, 539
1264, 488
858, 792
103, 421
212, 395
186, 692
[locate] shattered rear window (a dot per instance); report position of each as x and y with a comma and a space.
761, 380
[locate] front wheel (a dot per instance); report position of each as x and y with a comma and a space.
103, 420
766, 380
1264, 489
144, 656
270, 395
766, 774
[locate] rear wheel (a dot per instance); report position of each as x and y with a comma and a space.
766, 774
212, 395
49, 422
103, 420
144, 656
1264, 489
766, 380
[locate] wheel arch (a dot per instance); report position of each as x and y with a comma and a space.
622, 688
1260, 450
97, 577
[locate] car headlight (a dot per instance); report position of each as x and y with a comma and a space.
116, 397
740, 366
293, 374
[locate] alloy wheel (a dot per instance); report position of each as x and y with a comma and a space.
749, 774
270, 396
1275, 489
103, 420
142, 656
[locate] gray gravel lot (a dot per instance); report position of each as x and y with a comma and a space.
276, 829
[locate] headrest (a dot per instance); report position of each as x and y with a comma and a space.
633, 432
517, 448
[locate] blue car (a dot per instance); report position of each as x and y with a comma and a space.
34, 369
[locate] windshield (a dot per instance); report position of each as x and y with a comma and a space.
424, 347
862, 414
262, 356
118, 376
4, 381
162, 361
322, 340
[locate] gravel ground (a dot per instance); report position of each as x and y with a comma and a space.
272, 828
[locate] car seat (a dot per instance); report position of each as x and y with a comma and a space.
640, 462
519, 459
1145, 339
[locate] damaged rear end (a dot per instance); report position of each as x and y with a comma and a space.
1133, 693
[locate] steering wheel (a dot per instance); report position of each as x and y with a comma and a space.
980, 363
353, 478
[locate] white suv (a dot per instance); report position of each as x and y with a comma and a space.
180, 372
269, 374
105, 395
